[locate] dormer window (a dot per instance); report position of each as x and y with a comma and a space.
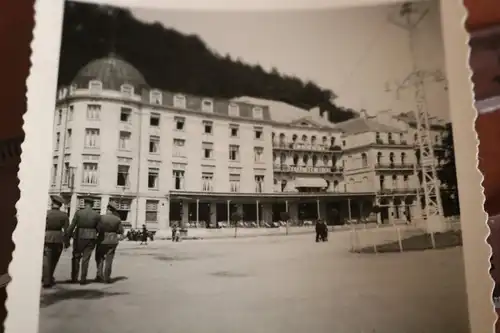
234, 110
207, 105
127, 89
257, 112
155, 97
72, 89
180, 101
95, 87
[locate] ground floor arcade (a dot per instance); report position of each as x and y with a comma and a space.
203, 209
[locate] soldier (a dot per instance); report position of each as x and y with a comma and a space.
109, 227
83, 229
57, 223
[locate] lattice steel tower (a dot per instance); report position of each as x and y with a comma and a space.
408, 17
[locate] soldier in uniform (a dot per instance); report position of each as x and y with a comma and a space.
57, 223
109, 227
83, 229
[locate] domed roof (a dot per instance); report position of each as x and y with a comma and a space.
112, 72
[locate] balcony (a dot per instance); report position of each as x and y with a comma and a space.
306, 147
397, 191
401, 143
393, 166
307, 169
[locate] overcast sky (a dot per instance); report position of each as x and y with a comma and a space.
354, 52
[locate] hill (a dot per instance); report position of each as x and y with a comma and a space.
174, 61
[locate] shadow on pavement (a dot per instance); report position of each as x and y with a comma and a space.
113, 280
66, 294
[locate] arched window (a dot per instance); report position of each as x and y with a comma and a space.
282, 138
335, 185
332, 141
389, 137
282, 158
294, 137
314, 160
364, 160
324, 140
391, 158
313, 139
394, 181
325, 160
304, 138
377, 138
283, 185
382, 182
295, 159
305, 159
379, 157
403, 158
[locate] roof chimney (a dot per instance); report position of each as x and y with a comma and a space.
363, 113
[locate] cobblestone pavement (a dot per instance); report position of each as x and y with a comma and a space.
269, 284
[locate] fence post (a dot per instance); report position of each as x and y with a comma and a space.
433, 240
374, 241
400, 241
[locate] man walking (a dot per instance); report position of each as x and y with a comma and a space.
83, 229
109, 227
56, 224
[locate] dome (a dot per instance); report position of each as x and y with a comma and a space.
112, 72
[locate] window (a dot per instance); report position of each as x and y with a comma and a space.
403, 158
208, 127
93, 112
96, 206
405, 181
257, 112
91, 138
180, 101
69, 138
154, 144
125, 115
208, 150
259, 184
379, 157
153, 177
123, 205
234, 153
258, 133
258, 154
179, 148
207, 105
72, 89
90, 174
58, 141
95, 87
394, 181
154, 120
54, 174
179, 123
234, 183
152, 211
155, 97
364, 160
233, 110
123, 175
304, 138
59, 117
313, 140
233, 131
124, 140
127, 89
343, 143
382, 182
70, 113
178, 180
207, 179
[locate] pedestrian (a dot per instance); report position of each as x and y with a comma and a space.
83, 230
56, 224
109, 228
144, 235
318, 230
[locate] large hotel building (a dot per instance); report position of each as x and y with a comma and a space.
166, 157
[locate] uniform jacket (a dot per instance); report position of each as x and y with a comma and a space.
56, 224
109, 227
84, 224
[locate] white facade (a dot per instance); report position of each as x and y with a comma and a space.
148, 151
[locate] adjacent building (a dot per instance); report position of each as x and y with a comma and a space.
165, 157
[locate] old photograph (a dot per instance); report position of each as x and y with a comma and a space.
279, 171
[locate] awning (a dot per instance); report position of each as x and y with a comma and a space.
310, 182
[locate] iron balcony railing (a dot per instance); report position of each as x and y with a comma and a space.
388, 191
395, 166
392, 142
306, 169
306, 146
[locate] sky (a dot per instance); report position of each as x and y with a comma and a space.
355, 52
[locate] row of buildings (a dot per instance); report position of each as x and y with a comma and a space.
164, 157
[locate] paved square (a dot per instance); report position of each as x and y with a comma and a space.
270, 284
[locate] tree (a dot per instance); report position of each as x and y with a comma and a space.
447, 175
